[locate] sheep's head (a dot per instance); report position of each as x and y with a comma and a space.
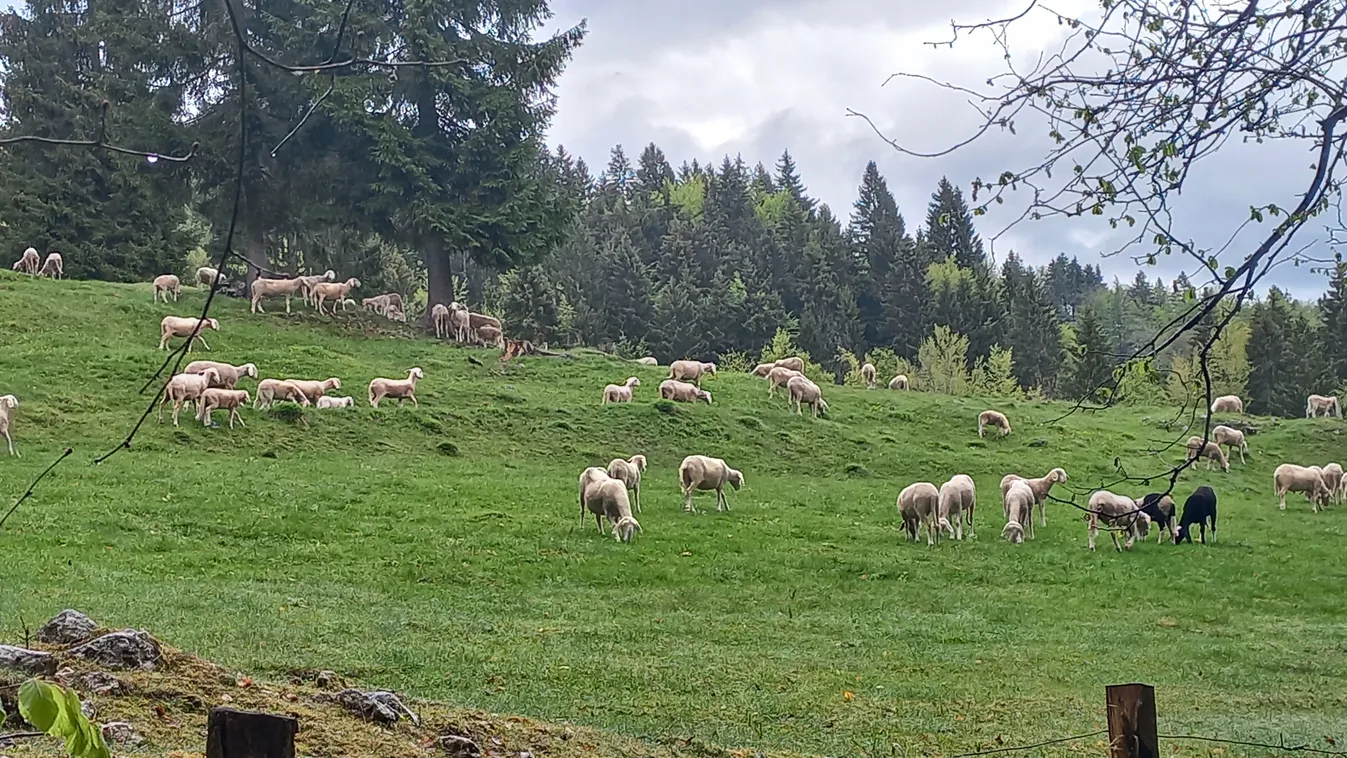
1141, 524
353, 282
248, 369
822, 405
710, 368
332, 383
625, 528
1057, 475
736, 479
633, 382
704, 395
348, 402
246, 397
1014, 532
212, 375
213, 324
762, 369
416, 373
9, 401
639, 462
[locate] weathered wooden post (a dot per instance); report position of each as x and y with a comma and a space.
246, 734
1132, 731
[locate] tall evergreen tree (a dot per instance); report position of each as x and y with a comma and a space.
788, 180
1031, 328
1333, 320
1092, 361
890, 286
1278, 368
949, 229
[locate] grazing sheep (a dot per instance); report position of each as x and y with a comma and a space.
794, 363
214, 398
898, 382
694, 370
206, 276
186, 388
1199, 508
439, 316
1209, 450
28, 262
262, 288
1160, 508
1227, 404
165, 285
1119, 512
588, 478
607, 497
461, 321
620, 393
780, 376
306, 284
377, 304
648, 361
1040, 487
330, 401
271, 390
174, 326
324, 291
958, 496
1017, 500
918, 505
54, 266
1292, 478
7, 405
682, 392
478, 321
402, 389
1231, 438
490, 336
803, 391
868, 374
1321, 405
1334, 480
314, 389
762, 368
993, 418
229, 375
699, 472
629, 473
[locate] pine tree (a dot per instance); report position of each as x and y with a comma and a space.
890, 282
788, 180
949, 228
530, 305
653, 173
1031, 328
1333, 318
1092, 361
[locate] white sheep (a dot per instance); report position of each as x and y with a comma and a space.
175, 326
957, 499
306, 284
182, 389
607, 497
314, 389
1040, 487
682, 392
262, 288
271, 390
1119, 512
1322, 405
588, 478
1231, 438
794, 363
377, 304
868, 374
993, 418
803, 391
7, 405
1334, 480
401, 389
779, 376
461, 321
1018, 502
898, 382
1209, 450
206, 276
620, 393
439, 316
1292, 478
700, 472
28, 262
694, 370
1227, 404
53, 266
165, 285
214, 398
229, 374
648, 361
324, 291
918, 505
329, 401
629, 473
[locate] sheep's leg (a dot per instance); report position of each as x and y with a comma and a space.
1281, 500
203, 341
1093, 531
687, 502
177, 406
287, 305
10, 440
234, 413
598, 521
412, 398
637, 492
1116, 545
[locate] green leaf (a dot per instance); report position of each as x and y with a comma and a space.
56, 711
38, 705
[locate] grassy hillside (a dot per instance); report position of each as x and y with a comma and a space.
436, 550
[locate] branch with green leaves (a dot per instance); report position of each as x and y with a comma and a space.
54, 710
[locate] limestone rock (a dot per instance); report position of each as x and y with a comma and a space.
26, 661
129, 649
69, 627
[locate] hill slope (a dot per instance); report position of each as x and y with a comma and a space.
436, 550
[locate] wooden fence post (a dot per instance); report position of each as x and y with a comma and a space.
1132, 731
245, 734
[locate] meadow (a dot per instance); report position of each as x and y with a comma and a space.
437, 550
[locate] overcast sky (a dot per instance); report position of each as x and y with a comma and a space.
706, 78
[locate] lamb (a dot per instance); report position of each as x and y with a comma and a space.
207, 276
490, 336
1209, 450
868, 374
314, 389
1120, 512
377, 304
306, 284
629, 473
649, 360
394, 314
1161, 510
803, 391
694, 370
271, 390
214, 398
54, 266
1292, 478
329, 401
229, 375
958, 496
682, 392
174, 326
402, 389
620, 393
899, 382
186, 388
7, 405
780, 376
699, 472
1040, 487
1334, 480
793, 363
439, 316
1231, 438
918, 504
1199, 508
1018, 502
993, 418
1321, 405
28, 262
272, 288
1227, 404
323, 291
478, 321
607, 497
165, 285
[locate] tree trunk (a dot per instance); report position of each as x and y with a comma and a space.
255, 250
439, 276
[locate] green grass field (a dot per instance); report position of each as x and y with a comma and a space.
436, 550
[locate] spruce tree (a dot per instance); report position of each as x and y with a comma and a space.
1031, 328
1333, 320
890, 285
788, 180
1276, 368
949, 228
1092, 360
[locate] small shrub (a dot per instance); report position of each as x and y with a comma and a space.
667, 407
752, 422
734, 362
447, 448
290, 413
858, 471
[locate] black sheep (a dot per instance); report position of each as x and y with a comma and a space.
1197, 509
1161, 509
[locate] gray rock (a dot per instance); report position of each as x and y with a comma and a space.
378, 706
122, 733
458, 746
67, 628
129, 649
34, 662
326, 679
102, 683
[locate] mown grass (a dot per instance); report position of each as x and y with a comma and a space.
436, 550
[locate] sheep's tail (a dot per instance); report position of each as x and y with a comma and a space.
371, 395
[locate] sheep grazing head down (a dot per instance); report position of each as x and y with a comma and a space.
736, 479
625, 528
704, 395
1013, 532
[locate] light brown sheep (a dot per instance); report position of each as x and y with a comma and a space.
1227, 404
53, 266
1209, 450
868, 374
918, 505
629, 473
607, 497
682, 392
794, 363
620, 393
780, 376
1292, 478
479, 321
993, 418
461, 321
1017, 500
401, 389
165, 285
7, 405
229, 374
1231, 438
1322, 405
175, 326
214, 398
1040, 487
306, 284
694, 370
439, 316
700, 472
958, 496
588, 478
335, 291
1119, 512
648, 360
328, 401
271, 390
263, 288
899, 382
183, 389
804, 392
206, 276
1334, 480
490, 336
28, 262
314, 389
